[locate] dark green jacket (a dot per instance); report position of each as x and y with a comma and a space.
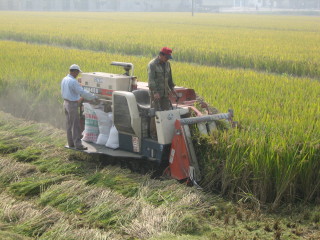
160, 77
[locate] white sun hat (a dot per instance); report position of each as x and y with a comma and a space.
75, 67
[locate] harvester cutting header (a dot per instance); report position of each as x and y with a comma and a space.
144, 123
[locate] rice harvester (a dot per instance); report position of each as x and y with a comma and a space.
172, 152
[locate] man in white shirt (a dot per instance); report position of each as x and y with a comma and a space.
71, 92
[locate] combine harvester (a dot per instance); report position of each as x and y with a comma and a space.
172, 153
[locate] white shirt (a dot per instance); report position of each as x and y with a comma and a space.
71, 90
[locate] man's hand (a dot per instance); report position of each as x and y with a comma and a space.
156, 96
80, 100
174, 93
95, 100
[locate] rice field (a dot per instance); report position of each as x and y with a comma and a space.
272, 158
281, 44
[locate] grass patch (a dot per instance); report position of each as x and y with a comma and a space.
6, 148
35, 222
5, 235
162, 192
170, 236
98, 207
34, 186
9, 143
75, 156
28, 154
28, 131
159, 197
25, 218
19, 129
103, 216
190, 224
12, 171
66, 203
67, 200
30, 229
59, 166
117, 181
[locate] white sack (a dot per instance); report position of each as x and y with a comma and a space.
91, 129
113, 141
102, 139
105, 124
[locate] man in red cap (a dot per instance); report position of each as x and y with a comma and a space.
160, 82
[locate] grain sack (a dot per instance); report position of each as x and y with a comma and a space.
91, 129
105, 124
113, 141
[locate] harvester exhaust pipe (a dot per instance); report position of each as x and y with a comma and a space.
127, 67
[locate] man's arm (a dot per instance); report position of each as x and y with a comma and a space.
152, 79
170, 81
83, 93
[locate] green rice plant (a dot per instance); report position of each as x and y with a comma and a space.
6, 235
281, 44
272, 156
61, 167
65, 199
190, 225
34, 185
9, 143
8, 148
104, 216
11, 171
28, 154
116, 180
98, 207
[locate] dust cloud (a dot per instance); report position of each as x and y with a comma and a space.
24, 104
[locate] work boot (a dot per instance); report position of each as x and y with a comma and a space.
81, 148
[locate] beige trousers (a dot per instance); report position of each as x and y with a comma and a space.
72, 123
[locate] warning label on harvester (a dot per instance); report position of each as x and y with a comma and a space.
135, 144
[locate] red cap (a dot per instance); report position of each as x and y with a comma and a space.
167, 51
